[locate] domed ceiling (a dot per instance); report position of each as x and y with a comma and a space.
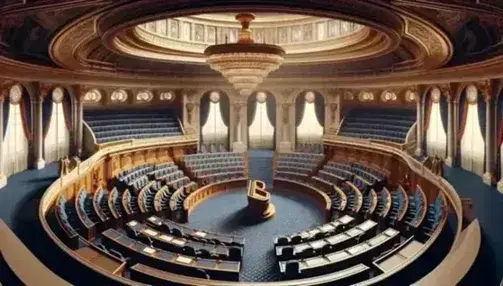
306, 39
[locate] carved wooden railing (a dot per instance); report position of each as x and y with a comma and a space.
442, 185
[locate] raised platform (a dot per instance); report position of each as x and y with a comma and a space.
259, 206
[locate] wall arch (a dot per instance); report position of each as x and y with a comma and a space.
17, 130
472, 130
261, 113
57, 124
214, 121
309, 120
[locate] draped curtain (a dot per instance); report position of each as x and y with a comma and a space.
300, 104
481, 107
271, 114
25, 105
204, 110
463, 111
224, 109
67, 109
252, 107
46, 114
427, 110
499, 119
444, 111
319, 105
6, 109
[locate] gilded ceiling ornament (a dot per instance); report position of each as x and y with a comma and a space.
244, 64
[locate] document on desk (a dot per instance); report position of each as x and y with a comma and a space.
346, 219
337, 256
316, 261
150, 232
178, 242
184, 259
166, 238
149, 250
200, 233
132, 223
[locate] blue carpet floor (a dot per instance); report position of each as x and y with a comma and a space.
488, 207
225, 214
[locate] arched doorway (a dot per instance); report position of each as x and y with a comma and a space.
472, 130
57, 125
17, 130
214, 122
309, 122
261, 120
436, 123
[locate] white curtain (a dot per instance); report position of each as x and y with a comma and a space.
57, 140
472, 143
15, 149
309, 130
261, 131
436, 139
214, 131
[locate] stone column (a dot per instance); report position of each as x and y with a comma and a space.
4, 92
490, 141
292, 130
451, 129
38, 128
279, 126
241, 143
79, 122
419, 126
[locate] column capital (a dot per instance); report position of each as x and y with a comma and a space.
190, 106
284, 95
43, 90
191, 92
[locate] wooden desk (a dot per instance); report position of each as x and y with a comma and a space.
171, 243
181, 264
159, 223
350, 256
337, 241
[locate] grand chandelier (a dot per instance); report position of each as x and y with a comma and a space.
244, 64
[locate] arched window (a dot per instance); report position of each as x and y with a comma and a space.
436, 138
472, 142
310, 130
15, 149
261, 130
93, 95
119, 95
214, 130
168, 96
57, 138
144, 96
388, 96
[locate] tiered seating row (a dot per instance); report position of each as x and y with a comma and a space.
382, 124
123, 125
209, 168
324, 263
327, 241
301, 164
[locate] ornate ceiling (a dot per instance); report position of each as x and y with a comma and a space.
161, 40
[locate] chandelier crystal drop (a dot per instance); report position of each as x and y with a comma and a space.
244, 64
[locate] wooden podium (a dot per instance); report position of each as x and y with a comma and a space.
259, 205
